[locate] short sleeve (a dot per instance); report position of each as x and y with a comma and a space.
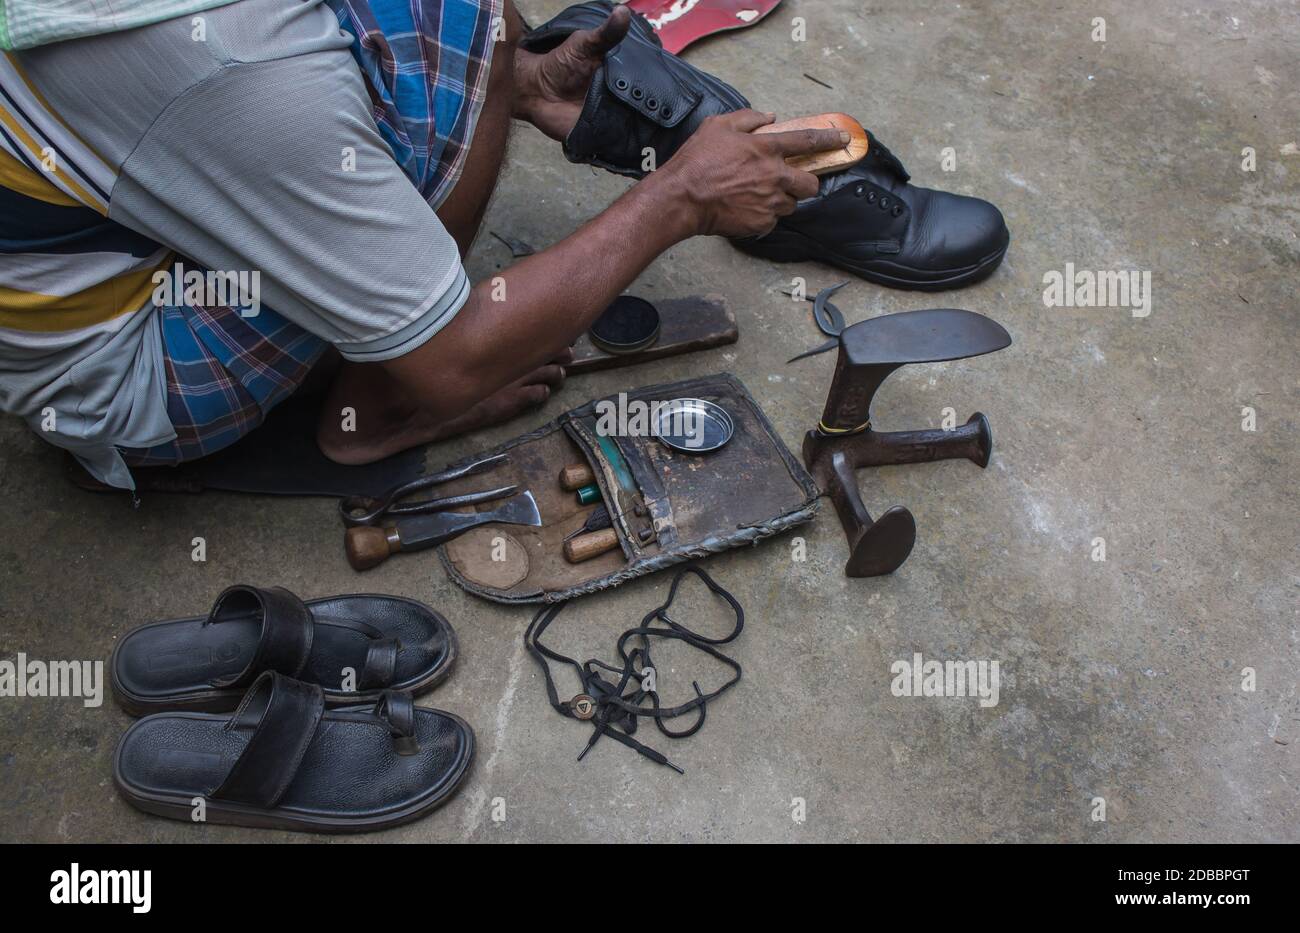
276, 167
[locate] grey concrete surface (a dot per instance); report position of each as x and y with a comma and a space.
1120, 679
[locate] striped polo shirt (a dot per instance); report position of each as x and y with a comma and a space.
249, 143
78, 340
25, 24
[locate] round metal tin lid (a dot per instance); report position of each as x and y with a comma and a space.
693, 425
627, 325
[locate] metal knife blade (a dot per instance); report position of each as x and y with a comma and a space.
425, 531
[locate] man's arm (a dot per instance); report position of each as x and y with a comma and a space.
547, 301
724, 180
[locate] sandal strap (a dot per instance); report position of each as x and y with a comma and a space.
283, 714
287, 627
381, 664
396, 708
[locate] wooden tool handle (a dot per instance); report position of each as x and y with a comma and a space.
823, 163
592, 544
368, 547
576, 475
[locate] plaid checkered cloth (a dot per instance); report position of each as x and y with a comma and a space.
224, 373
427, 63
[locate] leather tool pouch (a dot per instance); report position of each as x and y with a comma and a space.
676, 507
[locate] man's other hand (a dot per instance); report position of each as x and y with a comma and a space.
550, 89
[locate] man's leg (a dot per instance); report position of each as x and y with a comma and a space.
386, 420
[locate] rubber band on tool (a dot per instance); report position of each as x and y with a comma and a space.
821, 427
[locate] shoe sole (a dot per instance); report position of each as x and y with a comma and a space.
792, 246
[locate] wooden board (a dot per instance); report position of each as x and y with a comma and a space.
699, 322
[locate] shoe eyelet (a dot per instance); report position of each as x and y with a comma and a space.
857, 192
621, 84
898, 209
667, 112
637, 93
871, 197
884, 204
651, 104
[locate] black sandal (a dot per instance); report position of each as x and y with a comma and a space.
206, 664
284, 761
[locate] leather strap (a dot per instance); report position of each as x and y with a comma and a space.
653, 92
397, 709
283, 714
287, 626
381, 664
618, 704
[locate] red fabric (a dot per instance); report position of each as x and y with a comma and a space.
681, 22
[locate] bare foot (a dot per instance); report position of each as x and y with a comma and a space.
530, 392
402, 428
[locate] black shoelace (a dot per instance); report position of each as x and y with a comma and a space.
614, 705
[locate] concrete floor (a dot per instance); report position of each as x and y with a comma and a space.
1121, 679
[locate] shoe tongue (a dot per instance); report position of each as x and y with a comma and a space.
878, 154
880, 167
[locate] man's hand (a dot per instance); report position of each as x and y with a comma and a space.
550, 89
738, 183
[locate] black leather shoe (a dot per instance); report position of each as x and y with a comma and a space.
641, 98
866, 219
869, 221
